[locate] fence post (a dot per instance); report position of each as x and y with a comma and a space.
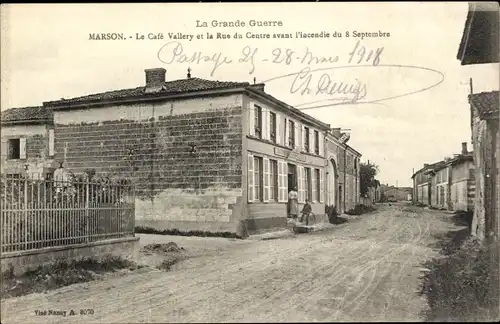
25, 212
133, 209
87, 234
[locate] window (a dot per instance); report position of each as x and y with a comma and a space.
272, 127
258, 178
306, 139
14, 146
316, 142
273, 183
258, 121
318, 184
291, 133
308, 184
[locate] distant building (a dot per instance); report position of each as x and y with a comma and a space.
397, 193
27, 142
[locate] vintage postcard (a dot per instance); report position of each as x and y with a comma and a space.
250, 162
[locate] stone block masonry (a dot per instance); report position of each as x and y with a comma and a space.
187, 166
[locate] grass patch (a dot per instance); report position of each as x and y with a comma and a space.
460, 285
418, 204
60, 274
149, 230
360, 209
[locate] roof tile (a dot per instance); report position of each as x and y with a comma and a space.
486, 103
169, 87
36, 113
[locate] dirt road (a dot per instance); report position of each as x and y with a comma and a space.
364, 270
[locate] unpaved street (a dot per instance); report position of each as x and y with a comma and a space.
364, 270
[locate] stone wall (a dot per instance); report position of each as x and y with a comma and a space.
184, 157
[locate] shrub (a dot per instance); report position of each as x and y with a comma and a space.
149, 230
360, 209
460, 287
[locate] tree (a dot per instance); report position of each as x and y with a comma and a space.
367, 173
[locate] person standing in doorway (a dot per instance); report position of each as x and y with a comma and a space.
293, 203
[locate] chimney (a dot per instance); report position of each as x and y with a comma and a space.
155, 77
464, 148
336, 132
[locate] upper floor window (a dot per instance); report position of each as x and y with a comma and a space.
272, 127
258, 121
316, 142
306, 139
291, 133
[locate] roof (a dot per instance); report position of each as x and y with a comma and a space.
169, 87
34, 114
486, 103
479, 43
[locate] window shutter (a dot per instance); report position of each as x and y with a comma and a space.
321, 149
321, 183
297, 136
313, 185
280, 181
303, 129
265, 123
300, 184
311, 141
22, 148
251, 121
278, 129
266, 179
51, 142
286, 140
250, 180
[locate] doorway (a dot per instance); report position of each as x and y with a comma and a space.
340, 200
292, 176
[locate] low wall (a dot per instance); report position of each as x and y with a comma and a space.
127, 248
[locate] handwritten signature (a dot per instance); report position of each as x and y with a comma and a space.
322, 81
173, 52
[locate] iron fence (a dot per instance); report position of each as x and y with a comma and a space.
37, 213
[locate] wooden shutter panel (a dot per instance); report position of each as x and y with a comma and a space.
266, 176
311, 141
300, 182
51, 142
321, 184
284, 181
286, 140
321, 149
250, 179
279, 131
280, 181
251, 121
22, 148
303, 138
297, 136
313, 185
265, 123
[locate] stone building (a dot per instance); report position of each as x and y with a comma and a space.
486, 140
452, 182
204, 155
343, 186
27, 142
422, 185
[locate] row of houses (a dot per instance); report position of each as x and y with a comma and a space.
448, 184
203, 155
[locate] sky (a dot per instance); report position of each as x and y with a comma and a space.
47, 55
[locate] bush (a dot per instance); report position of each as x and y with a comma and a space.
149, 230
60, 274
360, 209
461, 287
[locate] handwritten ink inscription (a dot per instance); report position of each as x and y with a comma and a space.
315, 77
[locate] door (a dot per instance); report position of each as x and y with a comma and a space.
292, 177
340, 205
